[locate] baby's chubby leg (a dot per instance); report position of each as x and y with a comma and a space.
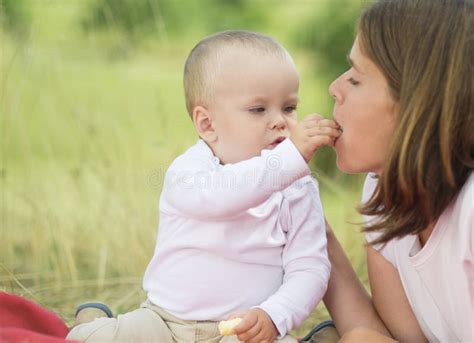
141, 325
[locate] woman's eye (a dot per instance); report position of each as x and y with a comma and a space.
257, 110
352, 81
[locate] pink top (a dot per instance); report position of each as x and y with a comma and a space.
438, 278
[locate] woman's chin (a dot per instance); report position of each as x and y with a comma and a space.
342, 162
345, 166
342, 167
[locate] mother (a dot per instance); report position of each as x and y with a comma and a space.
406, 108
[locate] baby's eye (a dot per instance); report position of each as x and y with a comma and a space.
290, 109
352, 81
257, 110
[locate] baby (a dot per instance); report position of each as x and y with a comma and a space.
242, 231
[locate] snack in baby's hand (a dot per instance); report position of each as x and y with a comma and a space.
226, 327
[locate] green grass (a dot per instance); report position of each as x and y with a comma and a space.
88, 127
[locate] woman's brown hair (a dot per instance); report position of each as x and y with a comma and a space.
425, 49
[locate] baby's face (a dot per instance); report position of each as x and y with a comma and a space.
253, 96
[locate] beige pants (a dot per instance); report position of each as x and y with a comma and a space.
150, 323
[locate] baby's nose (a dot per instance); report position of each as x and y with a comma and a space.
279, 123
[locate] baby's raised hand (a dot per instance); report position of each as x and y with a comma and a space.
311, 133
256, 327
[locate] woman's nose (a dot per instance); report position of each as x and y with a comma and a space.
335, 92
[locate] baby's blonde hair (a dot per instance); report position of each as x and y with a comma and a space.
204, 61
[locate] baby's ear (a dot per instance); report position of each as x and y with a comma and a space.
202, 121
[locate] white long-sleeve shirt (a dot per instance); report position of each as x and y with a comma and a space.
236, 236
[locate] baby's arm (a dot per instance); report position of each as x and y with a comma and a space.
195, 186
305, 262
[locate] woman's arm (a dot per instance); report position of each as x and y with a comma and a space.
346, 299
355, 314
390, 300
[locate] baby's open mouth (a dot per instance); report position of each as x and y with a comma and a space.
277, 141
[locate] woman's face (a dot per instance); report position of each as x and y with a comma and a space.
365, 110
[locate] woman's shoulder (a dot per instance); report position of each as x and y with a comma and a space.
459, 214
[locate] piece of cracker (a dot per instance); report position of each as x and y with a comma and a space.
226, 327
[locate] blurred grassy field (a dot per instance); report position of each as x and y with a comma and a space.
88, 127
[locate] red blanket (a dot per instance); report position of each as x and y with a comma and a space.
24, 321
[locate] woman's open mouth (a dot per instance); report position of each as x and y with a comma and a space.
340, 130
